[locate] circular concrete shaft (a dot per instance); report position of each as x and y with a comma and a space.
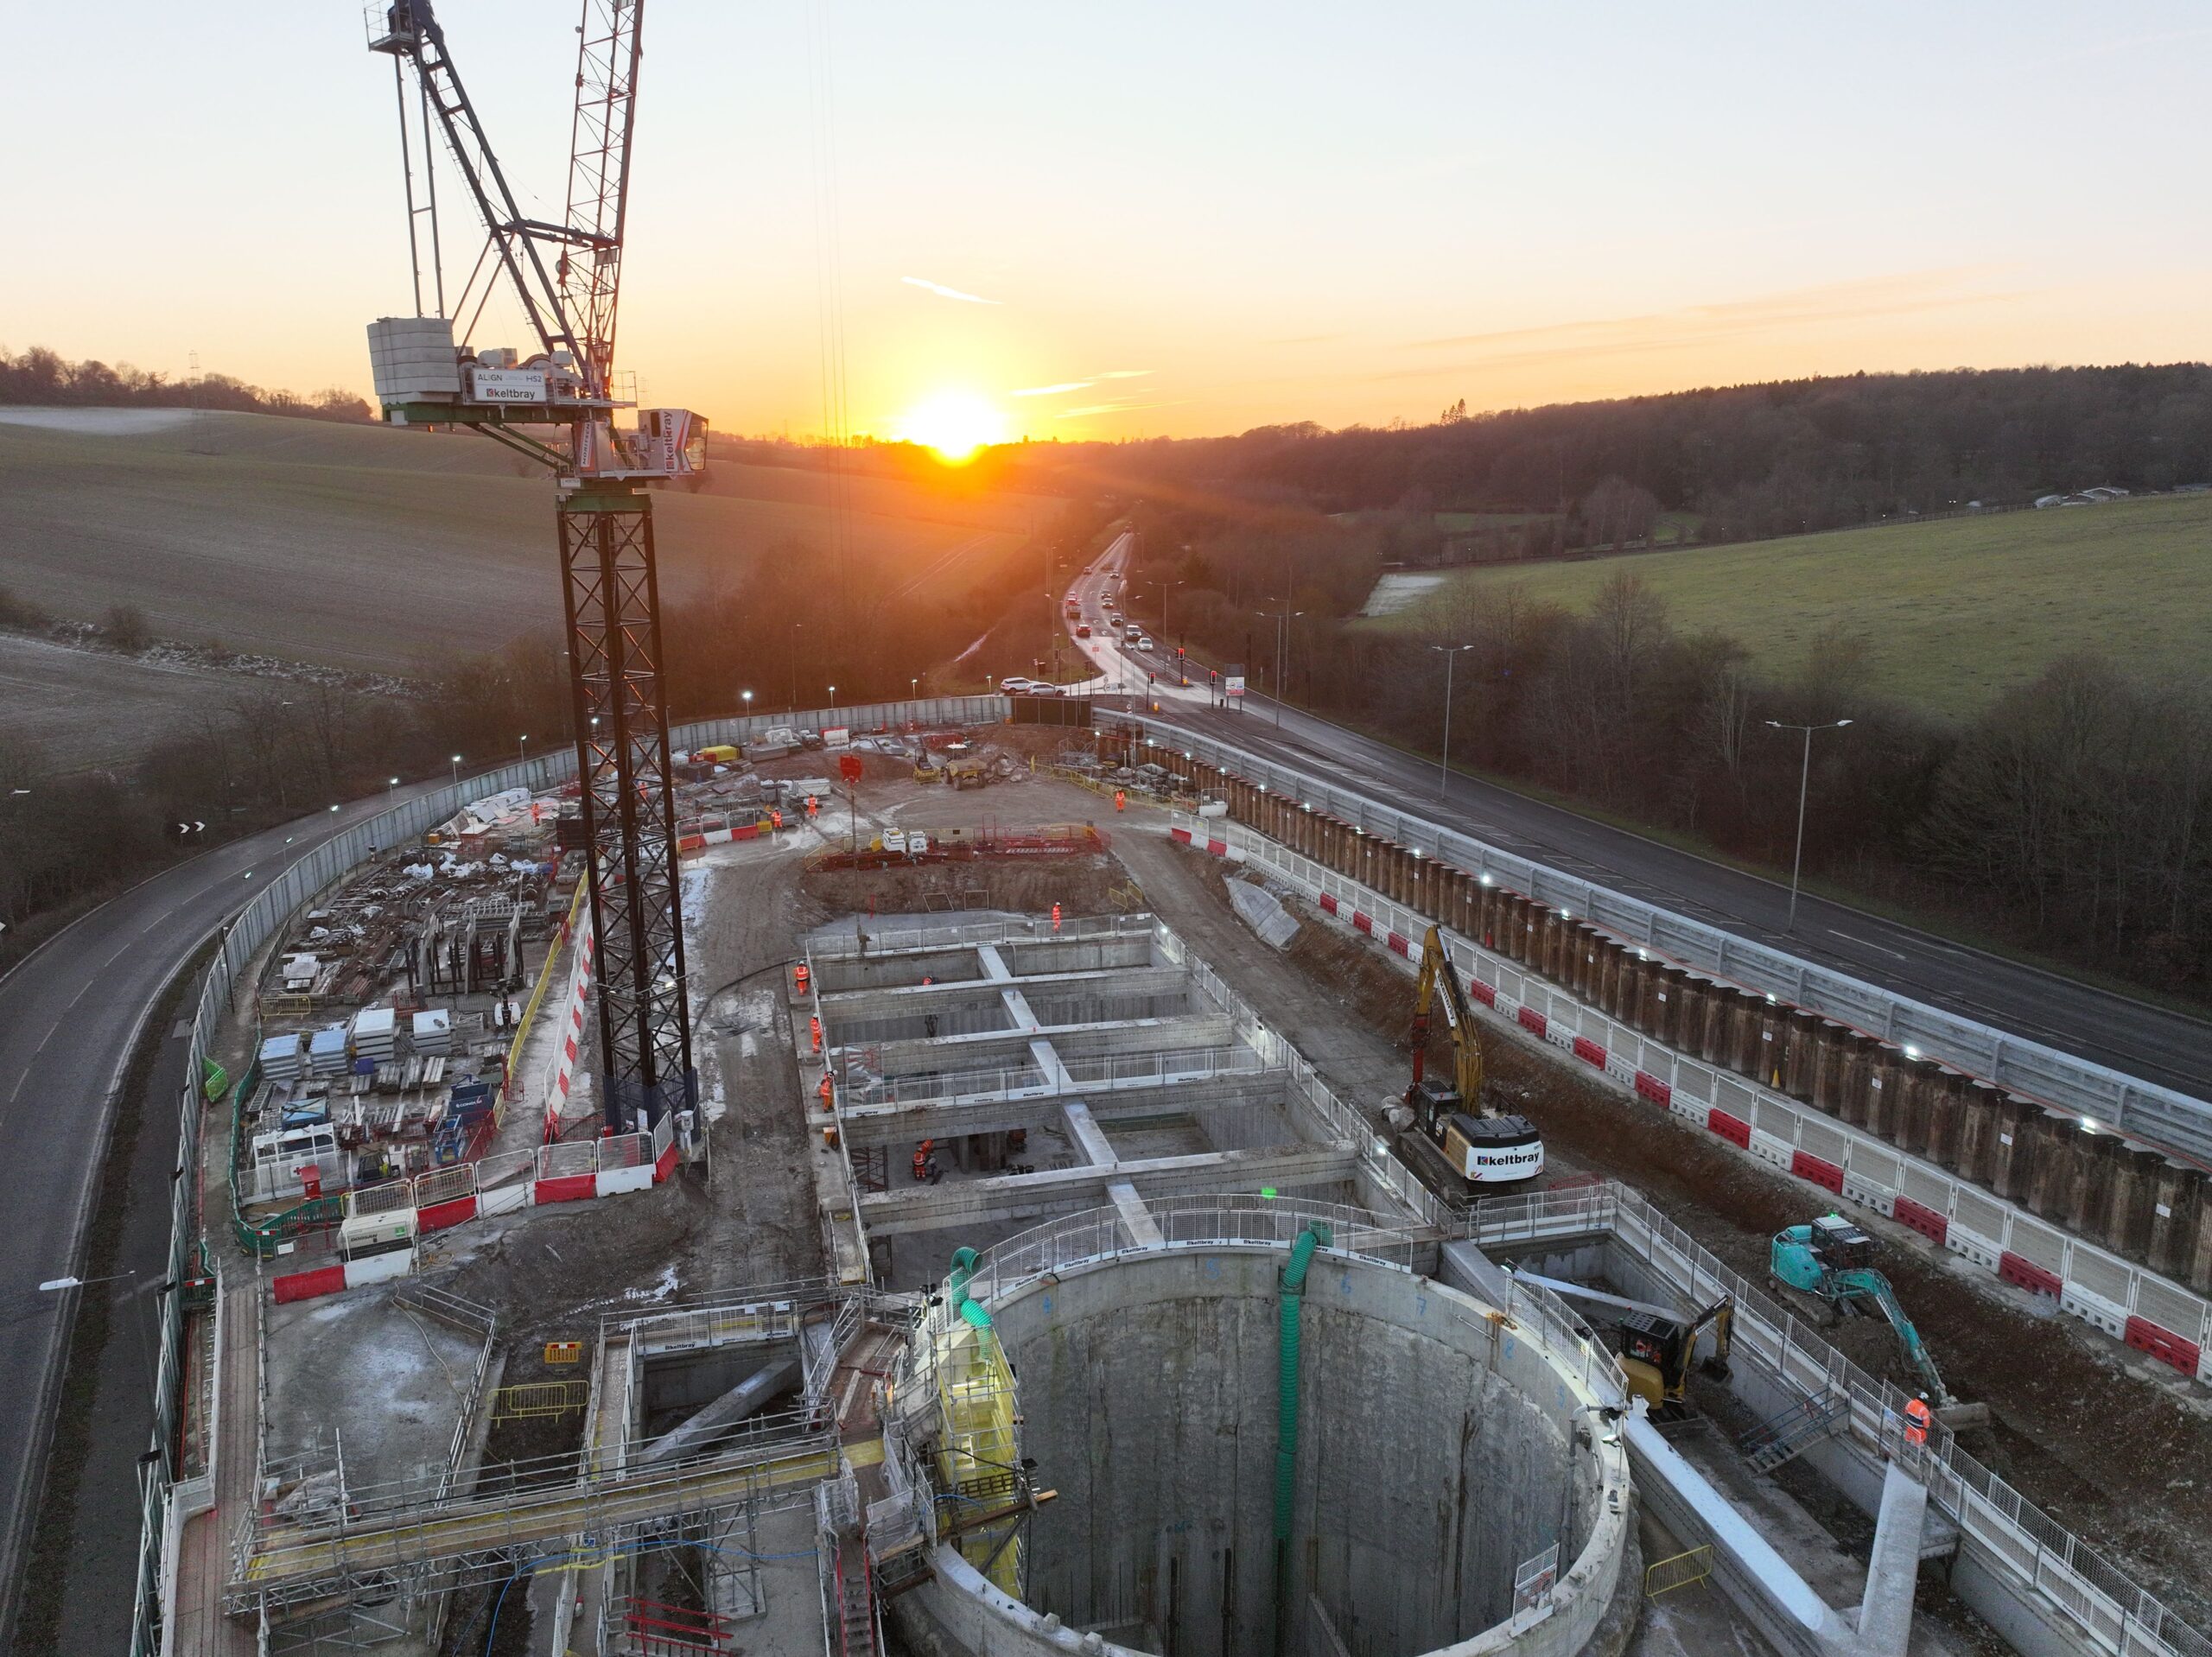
1439, 1447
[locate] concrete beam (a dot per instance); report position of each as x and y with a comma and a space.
1030, 1109
1070, 1191
699, 1433
1083, 1133
1008, 1049
922, 998
1893, 1570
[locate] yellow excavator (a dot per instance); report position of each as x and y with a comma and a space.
1465, 1146
1655, 1346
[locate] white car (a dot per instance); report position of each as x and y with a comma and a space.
1144, 641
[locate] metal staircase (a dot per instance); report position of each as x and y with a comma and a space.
1789, 1434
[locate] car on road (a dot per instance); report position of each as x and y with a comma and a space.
1144, 641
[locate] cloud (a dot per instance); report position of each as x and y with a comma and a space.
1693, 326
1054, 391
944, 292
1125, 373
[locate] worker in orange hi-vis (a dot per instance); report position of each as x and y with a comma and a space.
1917, 1416
1056, 918
813, 806
816, 1023
777, 818
801, 978
1121, 800
828, 1093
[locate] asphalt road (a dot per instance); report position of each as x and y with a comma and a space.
69, 1016
2143, 1041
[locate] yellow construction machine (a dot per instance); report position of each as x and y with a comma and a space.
1655, 1346
1464, 1146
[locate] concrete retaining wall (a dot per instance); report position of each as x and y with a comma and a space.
1433, 1459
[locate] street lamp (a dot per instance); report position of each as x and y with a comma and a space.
1804, 780
796, 626
522, 748
1281, 618
1451, 653
1163, 586
746, 696
391, 792
456, 770
833, 699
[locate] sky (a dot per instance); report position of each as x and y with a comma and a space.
1093, 221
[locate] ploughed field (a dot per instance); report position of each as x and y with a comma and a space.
375, 549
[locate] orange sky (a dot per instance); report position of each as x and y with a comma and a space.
1157, 218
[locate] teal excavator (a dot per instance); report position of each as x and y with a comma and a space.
1833, 1260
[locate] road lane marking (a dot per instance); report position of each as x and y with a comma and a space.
1869, 943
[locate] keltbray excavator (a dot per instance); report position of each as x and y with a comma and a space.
1655, 1346
1833, 1260
1463, 1146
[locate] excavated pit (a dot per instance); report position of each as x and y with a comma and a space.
1439, 1451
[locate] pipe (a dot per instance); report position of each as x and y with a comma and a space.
1315, 1235
971, 1310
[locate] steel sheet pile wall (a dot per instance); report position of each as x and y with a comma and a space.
1387, 838
2090, 1184
261, 916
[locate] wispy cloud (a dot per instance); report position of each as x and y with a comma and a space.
1125, 373
1054, 391
944, 292
1791, 309
1119, 407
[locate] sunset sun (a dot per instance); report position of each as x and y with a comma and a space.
953, 424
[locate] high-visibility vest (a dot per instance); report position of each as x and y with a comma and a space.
1917, 1416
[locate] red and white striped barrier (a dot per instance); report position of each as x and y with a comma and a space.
569, 1041
581, 1170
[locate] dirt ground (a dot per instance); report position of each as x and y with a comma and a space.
2086, 1430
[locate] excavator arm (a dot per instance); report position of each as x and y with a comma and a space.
1436, 973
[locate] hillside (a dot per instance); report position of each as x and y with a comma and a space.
1953, 612
370, 548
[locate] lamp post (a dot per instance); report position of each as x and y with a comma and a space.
1281, 618
745, 698
1163, 586
456, 770
522, 752
1451, 653
391, 792
1804, 781
796, 626
833, 699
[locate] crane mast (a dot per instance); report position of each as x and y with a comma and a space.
566, 279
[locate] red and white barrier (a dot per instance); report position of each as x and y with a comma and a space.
580, 1172
568, 1043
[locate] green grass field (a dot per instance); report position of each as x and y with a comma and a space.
371, 548
1954, 612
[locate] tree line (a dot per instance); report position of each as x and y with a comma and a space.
38, 376
2073, 816
1743, 462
